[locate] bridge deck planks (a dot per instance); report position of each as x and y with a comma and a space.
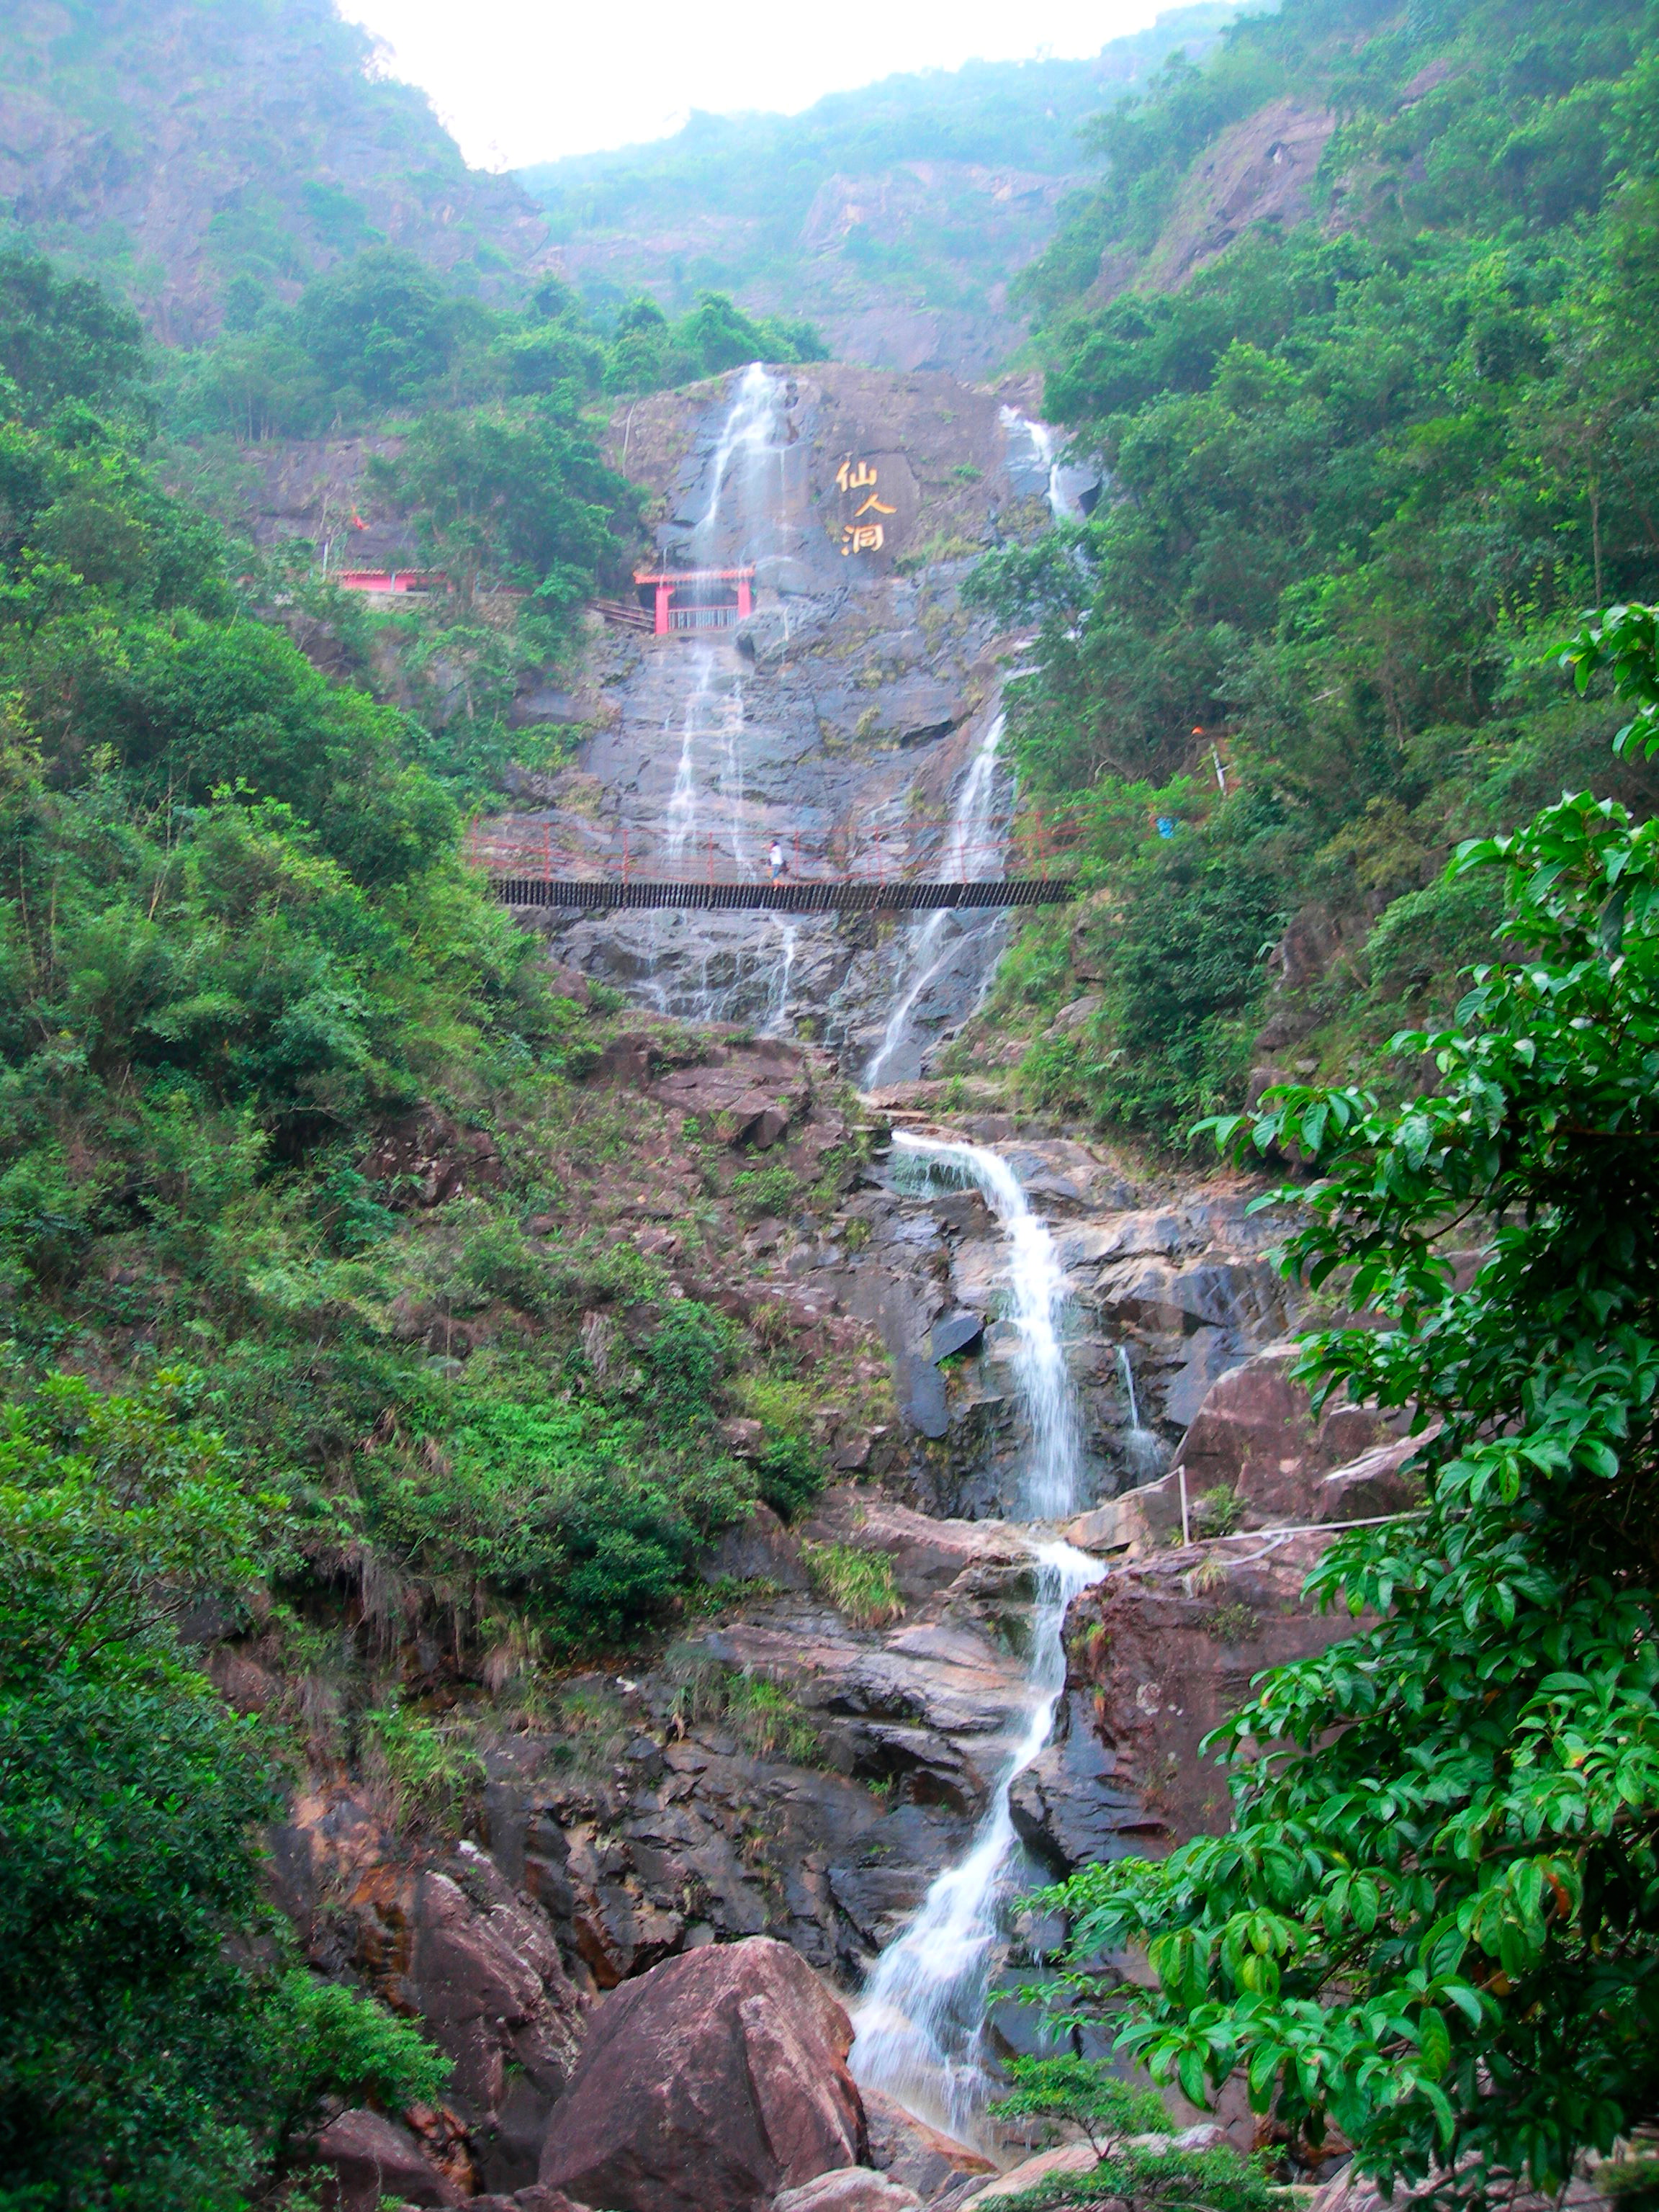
596, 896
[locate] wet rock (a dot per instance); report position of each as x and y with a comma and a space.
1066, 1806
956, 1332
710, 2085
921, 1397
908, 2151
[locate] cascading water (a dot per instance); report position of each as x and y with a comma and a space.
1068, 486
1143, 1448
750, 449
969, 856
706, 814
921, 2021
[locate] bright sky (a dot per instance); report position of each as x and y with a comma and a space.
524, 80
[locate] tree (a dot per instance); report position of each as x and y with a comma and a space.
144, 2064
1141, 2166
1436, 1919
382, 323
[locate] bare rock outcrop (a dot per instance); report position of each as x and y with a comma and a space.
454, 1944
710, 2084
853, 2189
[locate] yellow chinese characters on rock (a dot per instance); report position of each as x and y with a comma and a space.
859, 535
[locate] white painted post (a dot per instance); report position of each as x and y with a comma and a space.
1186, 1518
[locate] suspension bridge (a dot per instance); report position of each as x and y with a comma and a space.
884, 875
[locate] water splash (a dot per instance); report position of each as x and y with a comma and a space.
777, 1020
922, 2021
967, 855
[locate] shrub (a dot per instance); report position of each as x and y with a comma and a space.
789, 1475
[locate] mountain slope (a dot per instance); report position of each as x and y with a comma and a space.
196, 154
1380, 419
892, 217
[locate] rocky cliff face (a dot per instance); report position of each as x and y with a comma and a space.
145, 136
809, 1754
842, 720
673, 1819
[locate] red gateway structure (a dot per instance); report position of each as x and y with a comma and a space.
696, 599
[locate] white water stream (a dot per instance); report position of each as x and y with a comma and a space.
706, 822
921, 2021
750, 449
969, 856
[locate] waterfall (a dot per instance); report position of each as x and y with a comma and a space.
967, 857
920, 2022
1143, 1448
1066, 484
681, 820
777, 1019
750, 438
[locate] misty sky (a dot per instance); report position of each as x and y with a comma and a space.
521, 80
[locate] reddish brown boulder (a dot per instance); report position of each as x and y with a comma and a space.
709, 2084
1256, 1435
909, 2152
1161, 1652
369, 2157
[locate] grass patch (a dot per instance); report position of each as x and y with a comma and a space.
764, 1715
860, 1584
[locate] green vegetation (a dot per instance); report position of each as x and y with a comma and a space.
1436, 1920
791, 235
1361, 477
144, 2062
764, 1715
293, 1154
859, 1583
383, 331
1148, 2176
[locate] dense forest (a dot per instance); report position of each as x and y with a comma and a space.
1364, 471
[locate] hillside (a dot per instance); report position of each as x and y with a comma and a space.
1360, 317
655, 1501
197, 156
892, 217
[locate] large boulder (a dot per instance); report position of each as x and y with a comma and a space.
1256, 1435
367, 2157
850, 2189
710, 2084
915, 2156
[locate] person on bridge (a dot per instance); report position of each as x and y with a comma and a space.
780, 865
